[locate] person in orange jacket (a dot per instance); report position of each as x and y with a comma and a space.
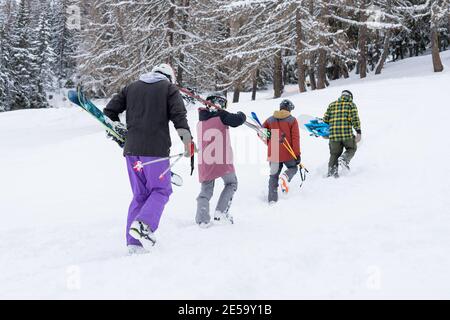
284, 135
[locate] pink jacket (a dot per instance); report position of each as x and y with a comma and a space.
215, 153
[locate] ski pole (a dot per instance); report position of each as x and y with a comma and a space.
180, 156
288, 147
139, 165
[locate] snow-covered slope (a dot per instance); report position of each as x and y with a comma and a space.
381, 232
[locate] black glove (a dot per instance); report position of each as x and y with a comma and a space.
121, 130
299, 160
243, 115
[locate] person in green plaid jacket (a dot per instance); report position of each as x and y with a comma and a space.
342, 116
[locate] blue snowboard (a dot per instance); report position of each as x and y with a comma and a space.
315, 126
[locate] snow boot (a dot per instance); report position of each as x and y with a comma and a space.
284, 183
142, 233
344, 164
204, 225
136, 250
224, 218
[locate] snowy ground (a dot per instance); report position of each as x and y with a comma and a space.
381, 232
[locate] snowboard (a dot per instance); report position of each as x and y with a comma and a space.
314, 126
78, 98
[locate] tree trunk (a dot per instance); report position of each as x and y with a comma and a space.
184, 23
236, 63
437, 63
387, 40
322, 61
300, 57
312, 56
171, 26
255, 84
312, 75
236, 93
362, 40
345, 71
278, 75
322, 70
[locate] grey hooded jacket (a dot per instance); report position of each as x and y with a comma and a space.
150, 104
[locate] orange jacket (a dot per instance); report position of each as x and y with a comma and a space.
283, 125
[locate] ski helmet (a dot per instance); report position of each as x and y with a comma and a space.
287, 105
166, 70
347, 93
218, 100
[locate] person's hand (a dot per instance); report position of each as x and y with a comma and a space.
190, 149
264, 133
189, 146
298, 161
120, 128
243, 115
262, 136
358, 138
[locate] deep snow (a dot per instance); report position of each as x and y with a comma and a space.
381, 232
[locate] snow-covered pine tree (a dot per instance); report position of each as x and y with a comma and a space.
27, 88
46, 57
4, 70
64, 41
21, 59
7, 17
7, 11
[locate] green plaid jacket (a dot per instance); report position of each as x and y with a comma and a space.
342, 116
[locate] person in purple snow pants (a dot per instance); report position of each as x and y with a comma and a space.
150, 104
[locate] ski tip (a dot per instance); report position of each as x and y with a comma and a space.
73, 97
255, 117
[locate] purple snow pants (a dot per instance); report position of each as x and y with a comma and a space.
150, 194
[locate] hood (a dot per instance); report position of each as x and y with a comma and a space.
345, 99
153, 77
282, 114
205, 114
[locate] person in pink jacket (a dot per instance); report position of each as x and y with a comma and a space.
216, 160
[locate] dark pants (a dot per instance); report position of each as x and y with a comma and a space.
275, 171
336, 150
